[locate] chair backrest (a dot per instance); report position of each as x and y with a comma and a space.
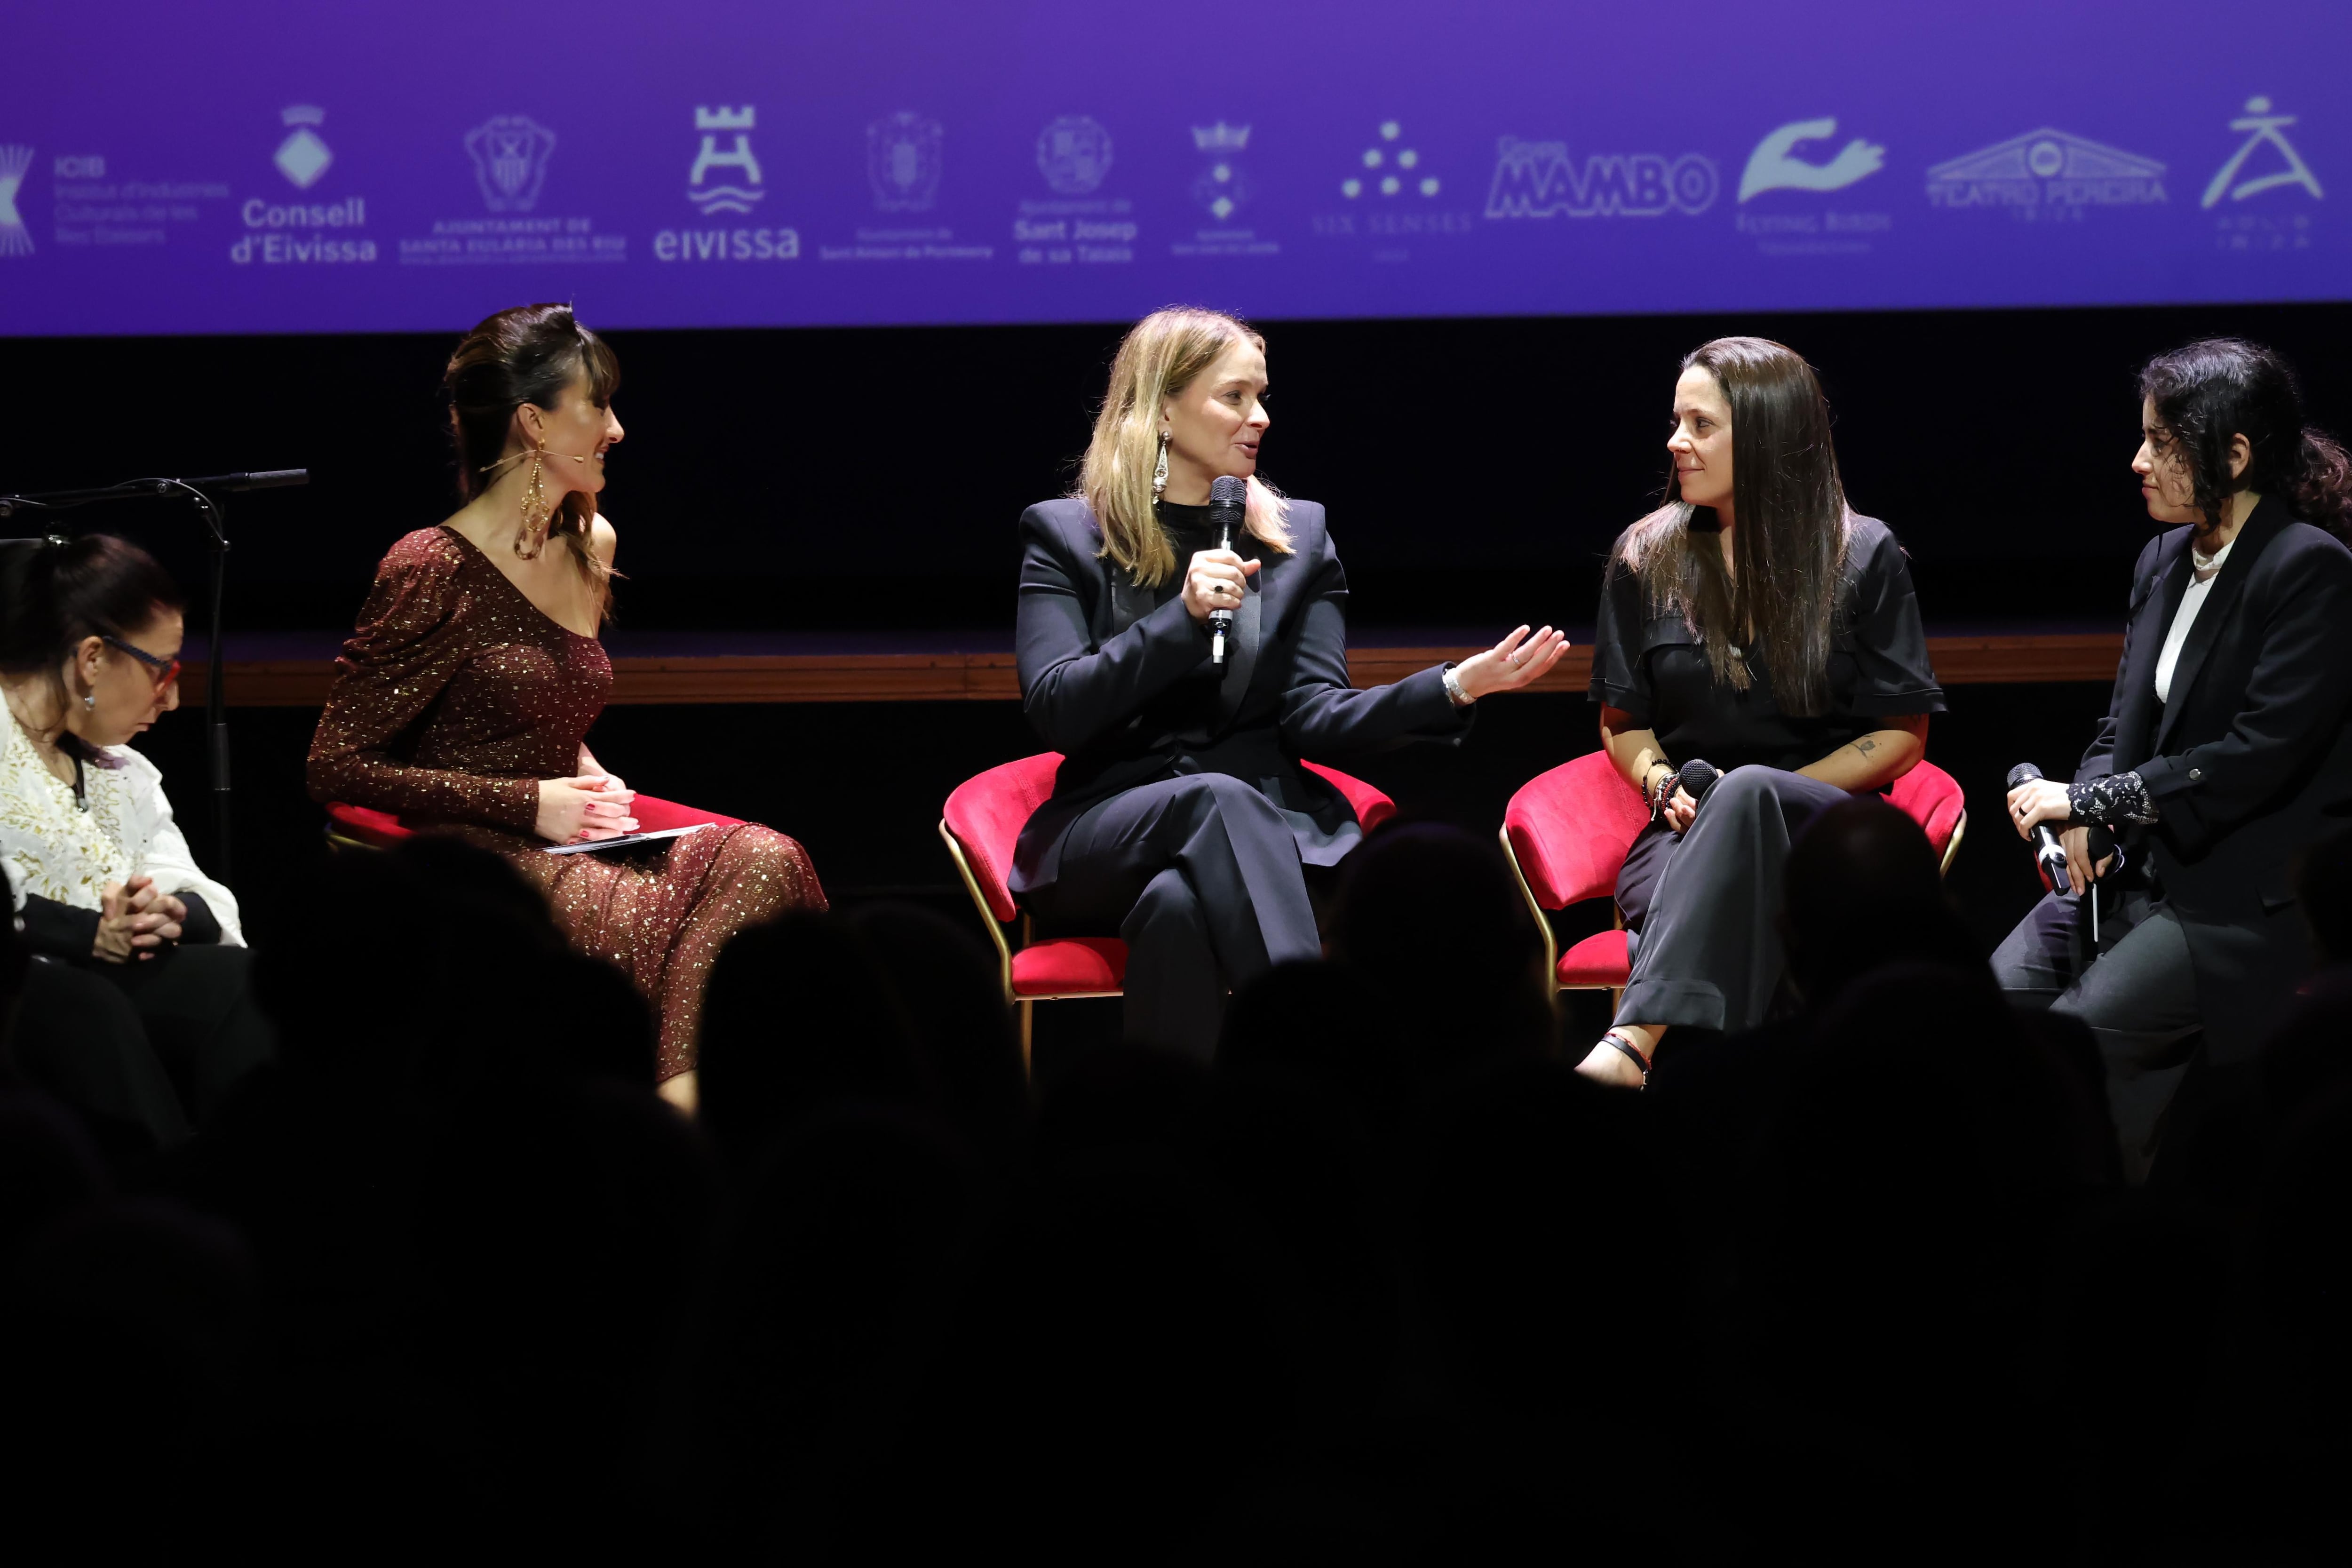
1930, 797
1370, 806
986, 813
1569, 828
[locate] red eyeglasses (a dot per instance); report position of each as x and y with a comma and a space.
165, 670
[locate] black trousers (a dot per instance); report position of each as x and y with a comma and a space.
2136, 993
1201, 877
151, 1046
1705, 908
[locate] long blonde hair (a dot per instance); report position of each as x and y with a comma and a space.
1161, 355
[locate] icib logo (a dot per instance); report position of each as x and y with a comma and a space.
511, 156
1539, 179
15, 163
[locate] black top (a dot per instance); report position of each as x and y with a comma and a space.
1646, 661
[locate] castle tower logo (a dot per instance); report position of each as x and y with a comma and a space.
725, 196
510, 156
304, 156
902, 161
15, 163
2264, 129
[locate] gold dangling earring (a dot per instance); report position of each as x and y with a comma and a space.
535, 511
1160, 472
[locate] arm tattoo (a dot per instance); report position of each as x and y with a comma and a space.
1865, 746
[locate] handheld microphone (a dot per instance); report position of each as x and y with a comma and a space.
1228, 500
2048, 852
1697, 777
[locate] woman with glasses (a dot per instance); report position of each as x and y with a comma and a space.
136, 1010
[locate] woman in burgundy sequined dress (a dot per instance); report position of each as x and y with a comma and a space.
463, 700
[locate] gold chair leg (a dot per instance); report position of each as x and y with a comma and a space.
1028, 1018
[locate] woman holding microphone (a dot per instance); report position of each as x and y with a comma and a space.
2225, 752
1754, 622
1180, 818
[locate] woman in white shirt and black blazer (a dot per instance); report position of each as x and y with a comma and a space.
2225, 750
136, 1009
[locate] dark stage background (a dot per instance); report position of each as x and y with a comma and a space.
869, 480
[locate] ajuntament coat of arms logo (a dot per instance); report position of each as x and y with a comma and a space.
510, 161
902, 160
1074, 155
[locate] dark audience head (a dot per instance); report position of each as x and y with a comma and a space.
2206, 395
950, 991
1862, 890
797, 1014
1319, 1019
1430, 919
71, 613
481, 984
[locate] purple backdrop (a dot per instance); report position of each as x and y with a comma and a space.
312, 167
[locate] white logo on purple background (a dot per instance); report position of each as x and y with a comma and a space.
511, 156
15, 163
902, 160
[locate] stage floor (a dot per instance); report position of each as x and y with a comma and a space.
293, 669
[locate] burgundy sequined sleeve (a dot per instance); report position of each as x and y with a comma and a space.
409, 643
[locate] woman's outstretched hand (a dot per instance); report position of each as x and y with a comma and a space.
1518, 662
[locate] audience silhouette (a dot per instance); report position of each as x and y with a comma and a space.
1388, 1282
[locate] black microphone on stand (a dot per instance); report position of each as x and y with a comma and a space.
1228, 500
2047, 851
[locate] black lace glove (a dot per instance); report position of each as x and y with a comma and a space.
2114, 800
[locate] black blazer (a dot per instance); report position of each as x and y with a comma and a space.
1116, 679
2249, 761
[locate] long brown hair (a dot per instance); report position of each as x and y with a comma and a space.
1161, 355
1789, 544
531, 354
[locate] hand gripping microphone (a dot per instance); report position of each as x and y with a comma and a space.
1695, 778
2047, 851
1228, 500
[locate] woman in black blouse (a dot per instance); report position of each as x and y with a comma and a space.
1754, 622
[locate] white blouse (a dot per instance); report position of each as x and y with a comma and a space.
2205, 569
52, 849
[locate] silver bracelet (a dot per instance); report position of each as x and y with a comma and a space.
1460, 698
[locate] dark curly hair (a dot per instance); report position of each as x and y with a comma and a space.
2208, 393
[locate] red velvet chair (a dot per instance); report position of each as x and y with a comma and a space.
982, 823
363, 827
1565, 833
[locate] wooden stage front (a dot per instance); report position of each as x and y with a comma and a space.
293, 669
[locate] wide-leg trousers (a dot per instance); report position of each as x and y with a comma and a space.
1705, 908
2136, 992
1201, 877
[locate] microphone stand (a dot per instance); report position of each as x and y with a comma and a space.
201, 491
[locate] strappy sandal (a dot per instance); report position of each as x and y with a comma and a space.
1625, 1047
